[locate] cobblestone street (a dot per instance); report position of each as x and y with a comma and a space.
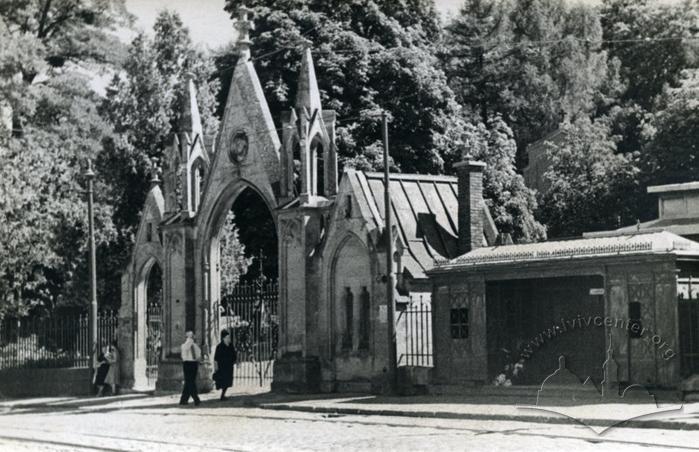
157, 423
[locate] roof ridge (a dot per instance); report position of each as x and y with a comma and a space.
410, 176
618, 244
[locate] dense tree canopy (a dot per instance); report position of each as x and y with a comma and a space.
77, 31
650, 40
370, 56
511, 203
592, 186
653, 42
55, 128
618, 78
534, 62
670, 134
143, 105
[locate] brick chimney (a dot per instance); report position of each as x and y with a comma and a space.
470, 176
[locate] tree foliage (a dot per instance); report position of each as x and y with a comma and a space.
382, 55
369, 56
143, 105
511, 203
653, 43
232, 258
591, 185
663, 51
670, 134
55, 128
77, 31
534, 62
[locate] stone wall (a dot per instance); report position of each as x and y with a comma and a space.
45, 382
465, 359
645, 360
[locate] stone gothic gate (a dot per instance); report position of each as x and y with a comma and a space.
331, 248
184, 213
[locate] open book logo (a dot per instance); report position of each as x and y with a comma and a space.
563, 393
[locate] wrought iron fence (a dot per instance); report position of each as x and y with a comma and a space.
414, 332
154, 344
54, 341
249, 312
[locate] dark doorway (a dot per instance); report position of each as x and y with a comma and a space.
535, 321
249, 292
258, 235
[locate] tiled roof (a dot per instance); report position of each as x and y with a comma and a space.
640, 242
425, 211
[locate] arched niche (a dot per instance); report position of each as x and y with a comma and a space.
351, 287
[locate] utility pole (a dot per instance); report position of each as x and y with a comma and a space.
390, 302
90, 177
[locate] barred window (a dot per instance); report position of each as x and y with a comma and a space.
459, 323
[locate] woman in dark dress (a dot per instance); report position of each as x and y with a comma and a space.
101, 369
224, 358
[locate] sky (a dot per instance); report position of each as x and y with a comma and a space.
208, 24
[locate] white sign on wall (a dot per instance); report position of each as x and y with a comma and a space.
383, 313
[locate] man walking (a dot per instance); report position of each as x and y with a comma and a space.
190, 364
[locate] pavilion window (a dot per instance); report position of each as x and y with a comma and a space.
459, 323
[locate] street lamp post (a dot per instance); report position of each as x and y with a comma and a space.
90, 177
390, 302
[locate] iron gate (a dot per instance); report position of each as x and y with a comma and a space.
249, 313
688, 315
153, 342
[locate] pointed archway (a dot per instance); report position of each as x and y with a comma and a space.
241, 256
147, 321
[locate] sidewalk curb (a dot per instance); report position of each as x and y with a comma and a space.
651, 423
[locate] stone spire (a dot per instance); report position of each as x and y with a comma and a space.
190, 121
243, 25
308, 95
155, 173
